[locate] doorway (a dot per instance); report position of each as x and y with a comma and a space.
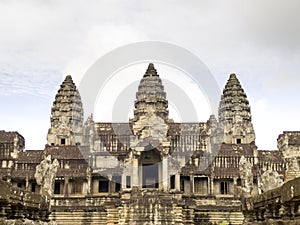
150, 175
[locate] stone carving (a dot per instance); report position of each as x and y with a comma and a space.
45, 174
89, 180
293, 169
245, 169
270, 180
292, 165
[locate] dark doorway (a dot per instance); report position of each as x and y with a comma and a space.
150, 175
57, 187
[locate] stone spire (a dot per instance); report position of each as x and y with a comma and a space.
66, 116
151, 97
234, 114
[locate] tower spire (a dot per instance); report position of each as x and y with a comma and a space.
151, 71
66, 115
235, 114
151, 97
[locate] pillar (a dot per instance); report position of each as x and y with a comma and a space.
27, 184
135, 174
192, 183
235, 186
89, 180
123, 181
110, 184
212, 191
66, 187
177, 181
164, 173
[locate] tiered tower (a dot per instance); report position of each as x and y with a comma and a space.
151, 114
66, 116
235, 115
151, 97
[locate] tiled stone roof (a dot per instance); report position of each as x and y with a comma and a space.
65, 152
30, 156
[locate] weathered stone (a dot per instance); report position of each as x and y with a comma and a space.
270, 180
246, 174
45, 175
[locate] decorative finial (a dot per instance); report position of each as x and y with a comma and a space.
151, 71
232, 76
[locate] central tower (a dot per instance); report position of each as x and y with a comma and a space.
150, 143
151, 97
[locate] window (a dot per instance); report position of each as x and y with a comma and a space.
63, 141
33, 187
239, 141
172, 182
224, 188
128, 181
103, 186
57, 187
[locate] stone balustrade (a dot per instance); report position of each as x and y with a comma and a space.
277, 206
16, 204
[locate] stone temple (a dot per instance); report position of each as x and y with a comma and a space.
150, 170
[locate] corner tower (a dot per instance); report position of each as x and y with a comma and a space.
66, 116
235, 115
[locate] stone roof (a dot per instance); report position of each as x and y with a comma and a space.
72, 172
9, 136
22, 173
30, 156
65, 152
236, 150
273, 156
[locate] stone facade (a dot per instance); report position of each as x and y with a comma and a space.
150, 170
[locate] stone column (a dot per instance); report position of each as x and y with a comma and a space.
66, 187
164, 174
110, 184
212, 191
27, 184
177, 181
192, 183
123, 181
135, 174
235, 186
90, 189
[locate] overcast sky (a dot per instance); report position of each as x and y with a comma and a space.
43, 41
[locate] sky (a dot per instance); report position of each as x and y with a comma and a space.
43, 41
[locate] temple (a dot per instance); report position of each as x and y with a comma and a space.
151, 170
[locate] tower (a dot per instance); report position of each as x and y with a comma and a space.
235, 115
151, 97
66, 116
150, 143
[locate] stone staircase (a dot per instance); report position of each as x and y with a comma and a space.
150, 207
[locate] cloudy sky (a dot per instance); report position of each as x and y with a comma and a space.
43, 41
